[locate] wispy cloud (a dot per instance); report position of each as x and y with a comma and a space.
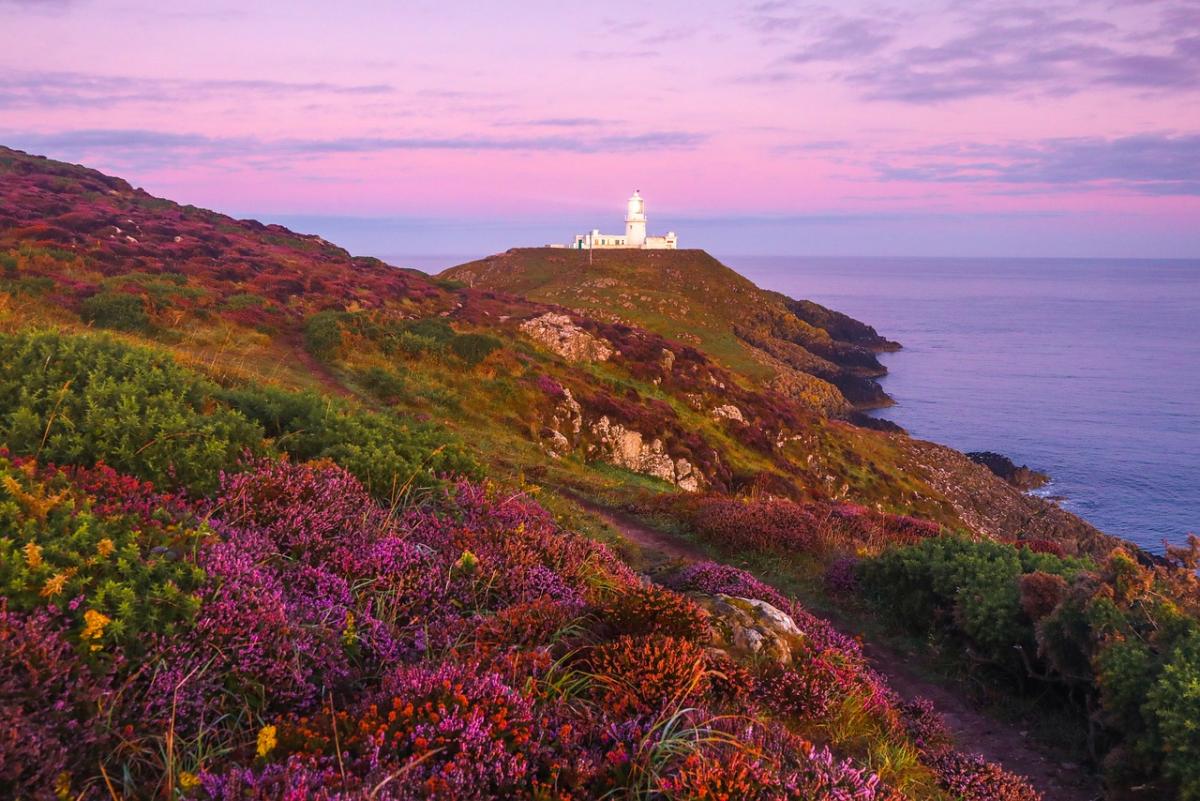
1150, 164
148, 148
979, 49
74, 89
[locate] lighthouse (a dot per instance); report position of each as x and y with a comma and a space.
635, 232
635, 221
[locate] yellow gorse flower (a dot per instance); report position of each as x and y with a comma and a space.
188, 781
266, 740
54, 585
36, 504
105, 546
93, 626
33, 555
62, 785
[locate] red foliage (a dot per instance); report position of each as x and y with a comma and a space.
524, 625
1040, 593
645, 674
1043, 546
650, 609
735, 776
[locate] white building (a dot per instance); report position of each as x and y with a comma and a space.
635, 232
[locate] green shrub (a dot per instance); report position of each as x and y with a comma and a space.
244, 300
973, 586
117, 310
33, 285
386, 385
9, 264
474, 348
385, 451
323, 333
1173, 705
1122, 636
162, 289
434, 328
415, 345
431, 335
79, 400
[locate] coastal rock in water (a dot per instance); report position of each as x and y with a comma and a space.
561, 335
624, 447
1020, 476
752, 628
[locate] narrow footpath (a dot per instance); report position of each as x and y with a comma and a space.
973, 731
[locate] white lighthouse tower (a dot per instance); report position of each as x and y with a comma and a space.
635, 233
635, 221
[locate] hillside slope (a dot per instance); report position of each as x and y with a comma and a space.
798, 348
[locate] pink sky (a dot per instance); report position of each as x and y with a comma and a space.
952, 127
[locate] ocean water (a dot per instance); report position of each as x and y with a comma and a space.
1086, 369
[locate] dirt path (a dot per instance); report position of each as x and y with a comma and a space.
319, 371
973, 731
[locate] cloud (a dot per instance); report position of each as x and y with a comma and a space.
39, 5
975, 49
1149, 164
148, 149
835, 38
75, 89
564, 122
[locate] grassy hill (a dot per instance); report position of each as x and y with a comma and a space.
687, 295
280, 521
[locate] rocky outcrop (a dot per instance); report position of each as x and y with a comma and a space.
805, 389
1022, 477
751, 628
994, 508
729, 412
624, 447
559, 333
564, 425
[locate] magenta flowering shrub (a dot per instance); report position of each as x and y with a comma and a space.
924, 726
770, 525
467, 648
51, 704
836, 664
779, 525
313, 513
841, 577
549, 387
809, 691
650, 609
972, 778
904, 529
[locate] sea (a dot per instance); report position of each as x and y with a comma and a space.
1085, 369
